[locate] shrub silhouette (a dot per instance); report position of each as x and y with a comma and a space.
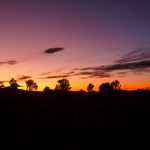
13, 83
90, 87
46, 89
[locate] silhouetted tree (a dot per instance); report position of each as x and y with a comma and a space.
116, 85
2, 84
31, 85
63, 84
105, 87
90, 87
13, 83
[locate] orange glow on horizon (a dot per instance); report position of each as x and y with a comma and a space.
131, 82
80, 84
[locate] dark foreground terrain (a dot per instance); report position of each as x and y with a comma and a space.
72, 120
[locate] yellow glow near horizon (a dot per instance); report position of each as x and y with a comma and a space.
78, 84
129, 82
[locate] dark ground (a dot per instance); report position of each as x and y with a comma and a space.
73, 120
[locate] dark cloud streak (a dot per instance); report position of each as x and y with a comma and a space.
55, 76
65, 75
136, 55
21, 78
53, 50
11, 62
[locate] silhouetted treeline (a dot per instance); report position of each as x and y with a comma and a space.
78, 118
64, 86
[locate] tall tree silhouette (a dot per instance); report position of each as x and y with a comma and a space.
90, 87
64, 84
31, 85
13, 83
116, 85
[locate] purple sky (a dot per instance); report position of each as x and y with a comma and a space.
92, 33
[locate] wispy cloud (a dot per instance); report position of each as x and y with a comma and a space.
55, 76
63, 75
58, 70
10, 62
136, 61
134, 66
106, 71
53, 50
92, 73
45, 73
136, 55
23, 77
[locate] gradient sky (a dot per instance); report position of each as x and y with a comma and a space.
103, 40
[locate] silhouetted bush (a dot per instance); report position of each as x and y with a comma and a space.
90, 87
13, 83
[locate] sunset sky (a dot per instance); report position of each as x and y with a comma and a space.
102, 40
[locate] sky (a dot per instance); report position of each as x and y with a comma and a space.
85, 41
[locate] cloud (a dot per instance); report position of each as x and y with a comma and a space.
92, 73
55, 76
30, 56
122, 73
137, 62
23, 77
64, 75
70, 73
58, 70
106, 71
140, 65
10, 62
136, 55
53, 50
45, 73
